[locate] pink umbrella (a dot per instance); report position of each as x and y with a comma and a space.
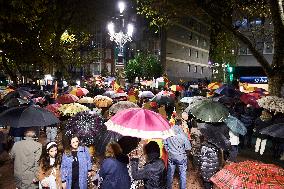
54, 108
67, 98
141, 123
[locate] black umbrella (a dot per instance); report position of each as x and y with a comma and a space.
14, 102
17, 94
28, 116
163, 100
214, 136
228, 91
276, 130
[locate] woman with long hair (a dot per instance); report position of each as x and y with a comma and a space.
114, 170
49, 167
76, 165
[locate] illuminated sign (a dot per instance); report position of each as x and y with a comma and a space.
260, 80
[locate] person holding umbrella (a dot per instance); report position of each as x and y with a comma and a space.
26, 154
76, 165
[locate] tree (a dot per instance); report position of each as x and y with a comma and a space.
133, 69
151, 67
225, 13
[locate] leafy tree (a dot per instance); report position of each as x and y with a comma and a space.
226, 13
151, 67
133, 69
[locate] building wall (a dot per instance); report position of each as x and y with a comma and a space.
187, 51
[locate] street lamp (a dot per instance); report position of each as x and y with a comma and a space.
121, 6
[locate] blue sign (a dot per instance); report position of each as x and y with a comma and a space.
256, 80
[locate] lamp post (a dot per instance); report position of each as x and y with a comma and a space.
120, 38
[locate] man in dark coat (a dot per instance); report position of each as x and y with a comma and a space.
154, 172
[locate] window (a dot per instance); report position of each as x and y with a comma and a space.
195, 69
188, 68
197, 40
196, 54
243, 51
204, 43
202, 55
201, 71
189, 52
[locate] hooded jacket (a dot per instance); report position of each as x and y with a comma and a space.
177, 145
114, 173
153, 173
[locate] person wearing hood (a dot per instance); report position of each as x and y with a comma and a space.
177, 147
114, 170
154, 172
26, 154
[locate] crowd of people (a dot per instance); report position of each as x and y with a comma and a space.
68, 163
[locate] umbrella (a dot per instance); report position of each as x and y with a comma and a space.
102, 101
27, 116
191, 100
108, 93
72, 109
272, 103
146, 94
236, 125
216, 137
210, 111
54, 109
13, 102
247, 98
249, 174
227, 91
17, 94
164, 98
214, 86
79, 91
122, 106
226, 100
67, 98
176, 88
140, 123
86, 100
87, 125
275, 130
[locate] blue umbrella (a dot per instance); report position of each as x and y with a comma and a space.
236, 125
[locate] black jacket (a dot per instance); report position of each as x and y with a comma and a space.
153, 174
208, 160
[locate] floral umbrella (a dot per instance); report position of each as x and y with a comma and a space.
210, 111
54, 109
66, 99
140, 123
272, 103
79, 91
87, 125
72, 109
249, 174
102, 101
119, 106
86, 100
236, 125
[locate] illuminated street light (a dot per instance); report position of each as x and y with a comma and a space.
121, 6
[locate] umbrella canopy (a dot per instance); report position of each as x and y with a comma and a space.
216, 137
249, 99
108, 93
176, 88
272, 103
214, 86
28, 116
119, 95
13, 102
87, 125
79, 91
140, 123
276, 130
102, 101
17, 94
227, 91
236, 125
225, 100
54, 109
191, 100
164, 98
86, 100
122, 106
210, 111
249, 174
146, 94
72, 109
67, 98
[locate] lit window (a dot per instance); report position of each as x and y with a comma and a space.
189, 52
188, 68
196, 54
195, 69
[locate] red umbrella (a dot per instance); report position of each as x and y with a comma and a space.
67, 98
249, 174
54, 108
250, 99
